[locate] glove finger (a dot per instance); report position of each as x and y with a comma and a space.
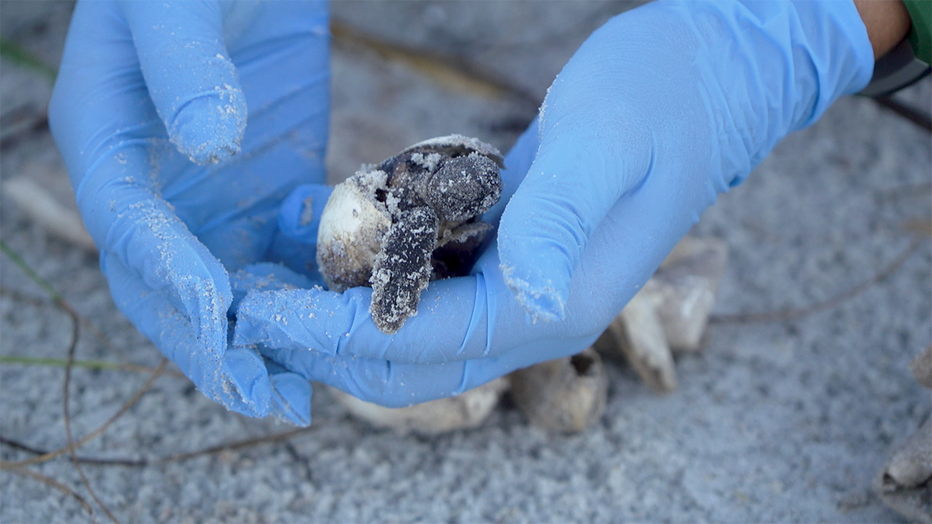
238, 380
190, 77
452, 317
394, 384
295, 245
373, 380
457, 321
302, 318
517, 162
265, 276
140, 229
291, 395
575, 179
299, 217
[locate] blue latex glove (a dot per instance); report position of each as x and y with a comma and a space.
149, 109
659, 111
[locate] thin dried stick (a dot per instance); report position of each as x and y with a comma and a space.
177, 457
285, 435
21, 297
49, 481
15, 444
94, 434
794, 313
921, 189
72, 348
64, 305
449, 70
85, 364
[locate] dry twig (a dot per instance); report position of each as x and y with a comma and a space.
75, 332
49, 481
794, 313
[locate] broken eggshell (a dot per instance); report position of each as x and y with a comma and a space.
905, 482
565, 395
411, 219
466, 410
347, 246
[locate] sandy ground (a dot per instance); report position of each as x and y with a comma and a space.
781, 421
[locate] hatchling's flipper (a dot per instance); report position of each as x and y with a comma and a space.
402, 268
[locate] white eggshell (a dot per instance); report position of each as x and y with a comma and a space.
464, 411
349, 237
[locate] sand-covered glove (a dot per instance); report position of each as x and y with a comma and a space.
658, 112
184, 125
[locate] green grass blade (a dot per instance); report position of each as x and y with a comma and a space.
20, 56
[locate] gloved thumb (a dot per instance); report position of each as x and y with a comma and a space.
581, 170
191, 79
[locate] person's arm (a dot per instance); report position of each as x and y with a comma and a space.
887, 23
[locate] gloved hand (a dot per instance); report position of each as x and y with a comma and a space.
183, 126
660, 110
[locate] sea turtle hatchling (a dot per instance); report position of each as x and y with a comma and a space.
413, 218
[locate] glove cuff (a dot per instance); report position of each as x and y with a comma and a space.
842, 59
795, 59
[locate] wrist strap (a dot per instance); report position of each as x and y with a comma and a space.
895, 70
